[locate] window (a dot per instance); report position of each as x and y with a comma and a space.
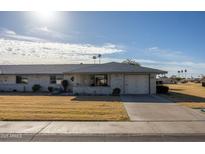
21, 80
101, 80
59, 80
53, 79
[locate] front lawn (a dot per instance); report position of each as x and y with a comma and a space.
189, 94
88, 108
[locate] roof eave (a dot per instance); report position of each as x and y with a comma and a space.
157, 72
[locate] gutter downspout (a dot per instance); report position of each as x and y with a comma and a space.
149, 86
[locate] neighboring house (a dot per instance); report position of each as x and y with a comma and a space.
166, 80
83, 78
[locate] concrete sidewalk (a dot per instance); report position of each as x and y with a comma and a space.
102, 131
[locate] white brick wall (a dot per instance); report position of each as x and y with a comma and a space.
7, 79
10, 84
153, 83
92, 90
116, 81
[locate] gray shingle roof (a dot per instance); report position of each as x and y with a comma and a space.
76, 68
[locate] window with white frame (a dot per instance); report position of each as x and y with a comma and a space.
53, 79
59, 79
56, 79
100, 80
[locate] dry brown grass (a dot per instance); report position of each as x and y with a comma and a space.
90, 108
193, 89
189, 94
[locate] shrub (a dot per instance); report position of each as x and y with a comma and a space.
50, 89
203, 84
36, 87
65, 84
162, 89
116, 92
56, 90
184, 81
159, 82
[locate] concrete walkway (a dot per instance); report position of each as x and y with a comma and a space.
152, 119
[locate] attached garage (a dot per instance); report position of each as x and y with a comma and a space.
137, 84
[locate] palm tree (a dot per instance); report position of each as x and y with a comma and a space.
179, 73
94, 57
182, 73
99, 56
185, 72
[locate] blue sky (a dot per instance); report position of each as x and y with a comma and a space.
166, 40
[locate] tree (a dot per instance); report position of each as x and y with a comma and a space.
65, 84
131, 62
185, 72
182, 73
94, 58
179, 73
99, 56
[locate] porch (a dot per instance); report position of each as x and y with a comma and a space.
94, 84
92, 90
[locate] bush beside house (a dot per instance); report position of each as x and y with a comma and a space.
162, 89
65, 85
116, 92
36, 87
50, 89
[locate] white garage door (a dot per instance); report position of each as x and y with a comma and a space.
136, 84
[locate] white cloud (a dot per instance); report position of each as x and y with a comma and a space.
10, 34
153, 48
194, 68
5, 31
44, 29
45, 32
165, 53
172, 61
17, 51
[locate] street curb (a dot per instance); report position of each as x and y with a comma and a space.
26, 137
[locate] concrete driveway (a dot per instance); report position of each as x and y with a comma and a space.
155, 108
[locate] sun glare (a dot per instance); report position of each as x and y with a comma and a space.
45, 16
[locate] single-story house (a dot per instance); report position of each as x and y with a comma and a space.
82, 78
